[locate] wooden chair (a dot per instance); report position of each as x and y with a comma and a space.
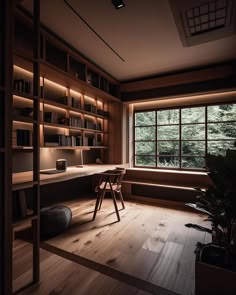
110, 181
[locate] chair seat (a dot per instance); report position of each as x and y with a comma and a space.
114, 186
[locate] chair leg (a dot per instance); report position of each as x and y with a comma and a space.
121, 199
115, 204
101, 200
97, 204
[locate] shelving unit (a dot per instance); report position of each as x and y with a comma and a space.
79, 103
25, 112
6, 13
57, 55
40, 61
81, 119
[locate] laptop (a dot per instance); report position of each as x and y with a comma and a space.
51, 171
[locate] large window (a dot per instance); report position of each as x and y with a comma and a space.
180, 138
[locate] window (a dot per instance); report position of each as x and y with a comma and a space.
180, 138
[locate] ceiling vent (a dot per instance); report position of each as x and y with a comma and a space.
200, 21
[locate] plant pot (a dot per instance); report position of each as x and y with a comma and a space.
213, 280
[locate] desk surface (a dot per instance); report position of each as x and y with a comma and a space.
23, 180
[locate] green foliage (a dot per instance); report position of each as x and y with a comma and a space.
163, 126
218, 201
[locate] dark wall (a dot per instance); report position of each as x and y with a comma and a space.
63, 191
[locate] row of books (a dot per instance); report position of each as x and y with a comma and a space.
76, 103
93, 109
92, 125
76, 122
22, 137
89, 141
54, 140
52, 117
70, 101
22, 86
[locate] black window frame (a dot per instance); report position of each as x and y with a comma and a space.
180, 140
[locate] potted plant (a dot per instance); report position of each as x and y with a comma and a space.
215, 271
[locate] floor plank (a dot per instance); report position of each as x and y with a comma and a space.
149, 243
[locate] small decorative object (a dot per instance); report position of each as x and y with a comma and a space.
63, 121
98, 161
61, 164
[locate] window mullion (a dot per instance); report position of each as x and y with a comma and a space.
156, 137
206, 127
180, 138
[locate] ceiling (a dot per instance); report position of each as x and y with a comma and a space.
143, 35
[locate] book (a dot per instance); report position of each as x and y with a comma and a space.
23, 137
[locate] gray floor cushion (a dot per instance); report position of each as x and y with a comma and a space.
54, 220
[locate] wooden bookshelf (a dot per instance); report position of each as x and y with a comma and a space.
59, 55
93, 114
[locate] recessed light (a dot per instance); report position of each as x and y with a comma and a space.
118, 4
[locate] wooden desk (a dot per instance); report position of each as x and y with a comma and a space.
23, 180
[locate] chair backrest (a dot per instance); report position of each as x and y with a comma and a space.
115, 176
121, 174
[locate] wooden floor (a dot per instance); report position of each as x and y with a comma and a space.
149, 248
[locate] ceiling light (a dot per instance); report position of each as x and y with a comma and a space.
118, 4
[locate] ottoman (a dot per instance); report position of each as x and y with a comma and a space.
54, 220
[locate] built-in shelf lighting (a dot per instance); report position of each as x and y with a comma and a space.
51, 107
62, 129
26, 124
182, 100
75, 93
118, 4
55, 85
23, 71
89, 117
78, 114
89, 98
23, 99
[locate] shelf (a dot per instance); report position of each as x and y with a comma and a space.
99, 147
46, 124
86, 148
60, 105
22, 119
29, 217
50, 125
93, 130
94, 114
24, 95
86, 129
26, 148
66, 107
22, 55
23, 148
59, 76
19, 183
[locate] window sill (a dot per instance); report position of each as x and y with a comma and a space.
168, 171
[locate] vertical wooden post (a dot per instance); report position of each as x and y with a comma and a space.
6, 69
36, 143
